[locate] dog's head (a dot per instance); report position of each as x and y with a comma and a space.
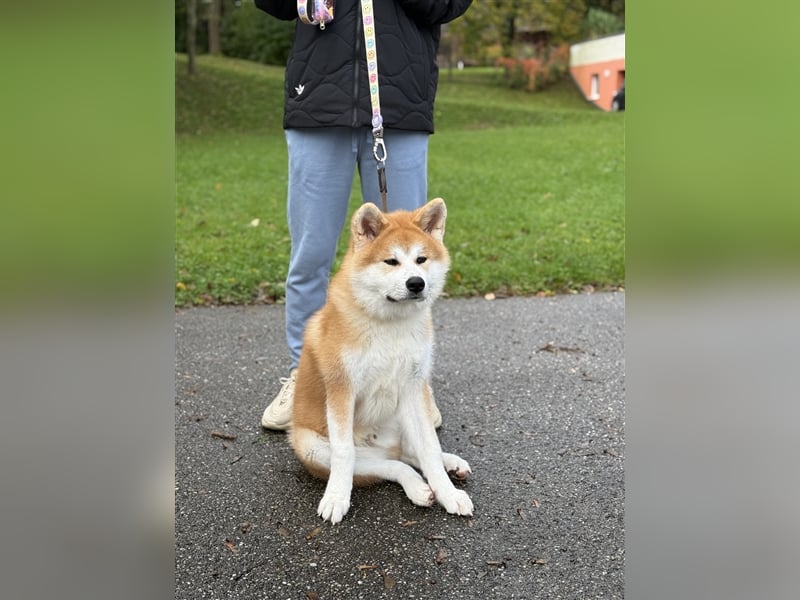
397, 262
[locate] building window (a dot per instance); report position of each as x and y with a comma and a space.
594, 92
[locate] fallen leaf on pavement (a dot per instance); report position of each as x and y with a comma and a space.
495, 563
550, 347
388, 581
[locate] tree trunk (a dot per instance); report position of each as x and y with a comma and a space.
214, 18
509, 32
191, 29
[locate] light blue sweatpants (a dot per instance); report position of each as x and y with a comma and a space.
321, 166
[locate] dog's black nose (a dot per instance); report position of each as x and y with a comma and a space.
415, 284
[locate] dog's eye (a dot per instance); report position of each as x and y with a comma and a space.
421, 259
392, 262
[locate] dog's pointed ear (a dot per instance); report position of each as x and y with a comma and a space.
431, 218
367, 223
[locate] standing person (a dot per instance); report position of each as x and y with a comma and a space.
329, 132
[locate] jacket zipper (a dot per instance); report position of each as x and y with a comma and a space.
356, 61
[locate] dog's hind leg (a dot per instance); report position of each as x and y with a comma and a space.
457, 468
371, 465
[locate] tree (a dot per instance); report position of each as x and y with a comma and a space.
214, 19
561, 19
506, 23
615, 7
599, 23
191, 31
250, 34
476, 32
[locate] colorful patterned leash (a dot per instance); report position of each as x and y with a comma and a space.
378, 146
322, 15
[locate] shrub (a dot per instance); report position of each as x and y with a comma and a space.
534, 74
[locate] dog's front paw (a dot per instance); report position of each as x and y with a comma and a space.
457, 468
456, 502
333, 507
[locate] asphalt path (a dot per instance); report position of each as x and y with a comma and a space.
531, 392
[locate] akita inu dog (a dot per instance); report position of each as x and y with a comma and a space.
362, 402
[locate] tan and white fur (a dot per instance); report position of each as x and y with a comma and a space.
362, 405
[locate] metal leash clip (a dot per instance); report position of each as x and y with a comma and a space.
379, 152
379, 149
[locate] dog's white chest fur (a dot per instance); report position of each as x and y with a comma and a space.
394, 354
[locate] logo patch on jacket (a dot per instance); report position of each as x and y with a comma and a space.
299, 89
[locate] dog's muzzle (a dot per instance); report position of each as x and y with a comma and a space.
415, 286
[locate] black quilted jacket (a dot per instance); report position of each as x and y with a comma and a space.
326, 74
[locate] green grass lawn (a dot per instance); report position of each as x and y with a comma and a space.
534, 185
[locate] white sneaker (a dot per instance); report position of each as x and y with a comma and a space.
278, 414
